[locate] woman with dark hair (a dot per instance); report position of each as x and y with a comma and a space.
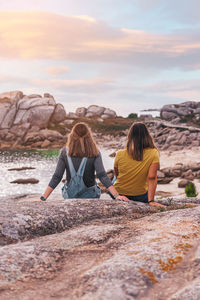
136, 166
81, 159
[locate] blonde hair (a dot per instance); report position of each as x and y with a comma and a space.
139, 138
81, 142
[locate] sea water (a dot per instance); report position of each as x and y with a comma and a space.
44, 166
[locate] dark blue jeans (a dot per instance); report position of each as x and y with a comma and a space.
141, 198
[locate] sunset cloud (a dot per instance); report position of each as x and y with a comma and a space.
56, 70
93, 85
45, 35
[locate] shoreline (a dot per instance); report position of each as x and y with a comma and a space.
167, 159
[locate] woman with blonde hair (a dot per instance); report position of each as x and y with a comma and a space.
81, 159
136, 166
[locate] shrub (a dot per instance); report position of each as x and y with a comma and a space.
190, 190
132, 116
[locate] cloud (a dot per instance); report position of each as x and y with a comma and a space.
87, 86
56, 70
45, 35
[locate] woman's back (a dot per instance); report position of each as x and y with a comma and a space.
132, 174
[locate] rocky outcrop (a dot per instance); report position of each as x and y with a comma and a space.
174, 137
26, 118
187, 172
25, 181
91, 249
181, 112
94, 111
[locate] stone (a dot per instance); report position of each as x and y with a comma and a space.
20, 130
100, 120
183, 182
104, 116
45, 144
89, 115
96, 110
160, 174
34, 96
90, 249
39, 116
47, 95
25, 181
177, 111
110, 112
168, 115
164, 180
196, 143
113, 154
66, 122
72, 115
3, 133
183, 140
9, 117
11, 97
4, 109
176, 120
81, 111
27, 103
59, 114
175, 148
44, 134
21, 169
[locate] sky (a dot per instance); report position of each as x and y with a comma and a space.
127, 55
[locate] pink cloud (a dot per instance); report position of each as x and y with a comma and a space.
56, 70
45, 35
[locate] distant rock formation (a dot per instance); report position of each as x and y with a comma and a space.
94, 111
17, 109
28, 121
24, 119
181, 112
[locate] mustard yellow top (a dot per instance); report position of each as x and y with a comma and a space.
132, 177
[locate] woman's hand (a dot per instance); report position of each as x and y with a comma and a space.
157, 204
122, 198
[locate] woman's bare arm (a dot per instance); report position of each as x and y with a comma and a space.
152, 184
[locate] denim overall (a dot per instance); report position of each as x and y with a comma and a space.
76, 187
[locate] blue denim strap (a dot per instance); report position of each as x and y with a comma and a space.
71, 167
81, 168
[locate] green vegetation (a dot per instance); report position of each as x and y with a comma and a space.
114, 126
190, 120
190, 190
48, 153
132, 116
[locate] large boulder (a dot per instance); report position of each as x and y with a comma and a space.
9, 117
27, 103
81, 111
59, 114
96, 110
11, 97
38, 115
178, 111
4, 109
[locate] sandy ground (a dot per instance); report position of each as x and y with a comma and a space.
169, 159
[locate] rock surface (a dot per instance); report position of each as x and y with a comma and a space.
94, 111
21, 114
91, 249
25, 181
181, 112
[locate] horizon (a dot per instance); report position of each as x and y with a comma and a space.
127, 55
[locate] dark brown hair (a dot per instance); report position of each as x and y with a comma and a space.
139, 138
81, 142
